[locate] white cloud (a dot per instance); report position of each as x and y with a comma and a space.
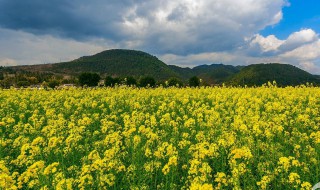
298, 39
271, 45
187, 26
305, 52
310, 66
260, 45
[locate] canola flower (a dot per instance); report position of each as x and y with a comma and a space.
164, 138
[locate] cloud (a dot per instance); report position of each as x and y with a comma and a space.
306, 52
298, 39
271, 45
263, 46
200, 59
186, 26
305, 55
179, 27
7, 62
182, 32
20, 48
76, 19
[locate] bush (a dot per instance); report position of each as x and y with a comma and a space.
130, 81
1, 76
111, 82
194, 81
23, 83
89, 79
175, 82
53, 83
147, 82
108, 81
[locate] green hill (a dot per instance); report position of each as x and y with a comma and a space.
184, 72
122, 63
211, 74
115, 62
215, 73
283, 74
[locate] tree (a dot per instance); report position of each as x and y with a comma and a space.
194, 81
23, 83
53, 83
89, 79
1, 76
108, 81
117, 81
7, 82
147, 81
111, 82
130, 81
175, 82
33, 80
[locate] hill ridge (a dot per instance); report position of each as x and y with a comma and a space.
136, 63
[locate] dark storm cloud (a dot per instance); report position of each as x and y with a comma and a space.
73, 18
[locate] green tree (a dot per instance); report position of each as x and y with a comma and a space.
23, 83
1, 76
147, 81
130, 81
53, 83
89, 79
194, 81
175, 82
7, 82
109, 81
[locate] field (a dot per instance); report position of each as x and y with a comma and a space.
191, 138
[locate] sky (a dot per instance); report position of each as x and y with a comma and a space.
179, 32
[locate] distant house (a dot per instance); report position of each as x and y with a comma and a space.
36, 86
101, 83
66, 86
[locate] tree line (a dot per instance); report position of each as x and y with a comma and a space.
11, 78
94, 79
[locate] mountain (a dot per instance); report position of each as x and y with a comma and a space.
116, 62
215, 73
283, 74
212, 74
122, 63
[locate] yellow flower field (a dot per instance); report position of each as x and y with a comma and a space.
130, 138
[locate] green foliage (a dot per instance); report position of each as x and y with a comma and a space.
111, 82
194, 81
130, 81
211, 74
71, 80
1, 76
7, 82
175, 82
283, 74
108, 81
89, 79
53, 83
147, 82
23, 83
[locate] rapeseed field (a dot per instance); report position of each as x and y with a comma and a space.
163, 138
